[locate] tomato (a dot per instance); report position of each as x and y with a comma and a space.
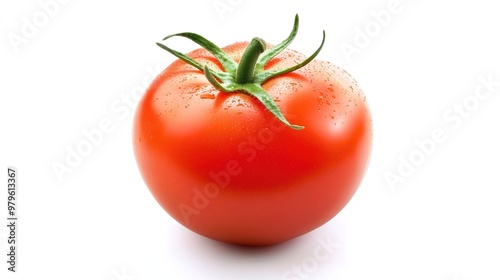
230, 165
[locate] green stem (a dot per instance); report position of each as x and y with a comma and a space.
249, 75
246, 67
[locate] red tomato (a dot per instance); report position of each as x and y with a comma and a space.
224, 166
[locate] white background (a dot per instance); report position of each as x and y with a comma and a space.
85, 59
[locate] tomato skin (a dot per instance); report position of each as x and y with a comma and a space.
223, 166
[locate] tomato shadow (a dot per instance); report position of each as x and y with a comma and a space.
317, 252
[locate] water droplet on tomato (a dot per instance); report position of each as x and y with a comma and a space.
321, 100
207, 96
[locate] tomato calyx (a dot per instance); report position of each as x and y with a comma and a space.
249, 75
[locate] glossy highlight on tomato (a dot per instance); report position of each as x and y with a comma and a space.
252, 160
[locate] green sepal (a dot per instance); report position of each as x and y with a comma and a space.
250, 72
